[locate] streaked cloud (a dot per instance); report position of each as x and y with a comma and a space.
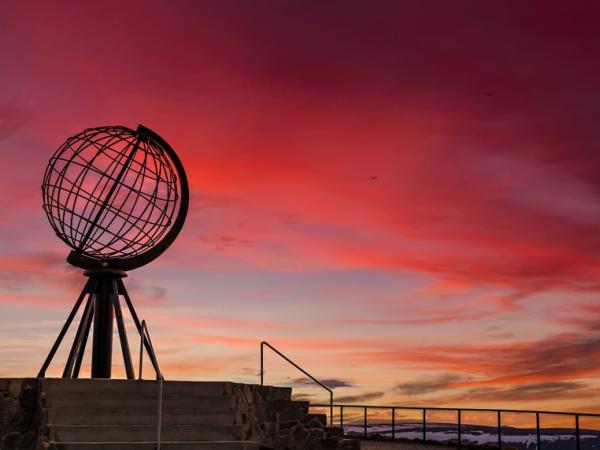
427, 386
467, 269
331, 383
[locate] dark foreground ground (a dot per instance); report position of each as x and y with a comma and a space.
382, 445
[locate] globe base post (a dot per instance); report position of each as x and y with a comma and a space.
103, 328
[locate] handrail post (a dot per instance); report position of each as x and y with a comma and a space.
499, 428
537, 429
459, 419
160, 403
262, 364
331, 408
145, 337
142, 342
577, 434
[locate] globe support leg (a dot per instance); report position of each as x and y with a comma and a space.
122, 333
81, 349
138, 324
102, 306
81, 336
63, 331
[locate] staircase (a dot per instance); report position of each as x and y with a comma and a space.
119, 415
94, 414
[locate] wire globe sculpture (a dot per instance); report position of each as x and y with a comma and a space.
116, 196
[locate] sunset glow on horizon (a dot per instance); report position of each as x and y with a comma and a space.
403, 197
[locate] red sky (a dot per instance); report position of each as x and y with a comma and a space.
466, 273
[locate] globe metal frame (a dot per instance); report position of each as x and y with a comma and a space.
90, 219
85, 231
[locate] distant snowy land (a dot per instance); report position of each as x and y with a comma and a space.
519, 438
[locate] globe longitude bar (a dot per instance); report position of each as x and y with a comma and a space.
110, 194
84, 142
81, 176
140, 216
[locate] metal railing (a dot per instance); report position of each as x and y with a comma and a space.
264, 344
145, 339
459, 414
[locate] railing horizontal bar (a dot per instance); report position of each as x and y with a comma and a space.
432, 408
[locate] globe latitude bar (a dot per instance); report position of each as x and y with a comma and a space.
118, 198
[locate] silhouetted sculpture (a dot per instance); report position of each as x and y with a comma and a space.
118, 198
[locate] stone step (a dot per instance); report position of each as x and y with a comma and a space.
121, 415
172, 445
61, 386
129, 416
70, 386
141, 433
99, 400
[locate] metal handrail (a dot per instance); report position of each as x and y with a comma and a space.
459, 412
264, 344
145, 338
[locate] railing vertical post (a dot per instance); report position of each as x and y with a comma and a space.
458, 418
160, 407
145, 339
331, 409
262, 364
538, 432
577, 434
499, 429
142, 339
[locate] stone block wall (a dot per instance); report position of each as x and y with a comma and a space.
283, 424
21, 414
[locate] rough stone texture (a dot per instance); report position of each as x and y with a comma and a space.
268, 415
283, 424
21, 415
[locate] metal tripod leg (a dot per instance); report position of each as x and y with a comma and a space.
81, 334
122, 332
138, 324
86, 333
63, 331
